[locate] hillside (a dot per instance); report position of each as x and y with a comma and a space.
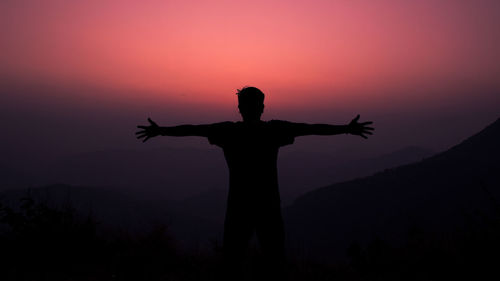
438, 194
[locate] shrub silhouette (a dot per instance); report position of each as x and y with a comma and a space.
40, 242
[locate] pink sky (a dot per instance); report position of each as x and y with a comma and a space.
303, 53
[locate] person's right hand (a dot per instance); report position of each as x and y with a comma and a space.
148, 132
360, 129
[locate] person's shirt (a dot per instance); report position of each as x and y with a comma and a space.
251, 152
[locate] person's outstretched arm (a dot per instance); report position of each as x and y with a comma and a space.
154, 130
354, 128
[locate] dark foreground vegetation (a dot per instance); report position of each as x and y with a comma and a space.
39, 242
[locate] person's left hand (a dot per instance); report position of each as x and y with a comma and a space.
359, 129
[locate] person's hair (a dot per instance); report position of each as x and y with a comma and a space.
250, 94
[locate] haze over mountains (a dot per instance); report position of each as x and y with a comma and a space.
175, 173
436, 193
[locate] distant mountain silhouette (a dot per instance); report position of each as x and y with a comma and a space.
147, 173
166, 173
304, 171
437, 194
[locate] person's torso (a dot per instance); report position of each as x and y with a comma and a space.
251, 153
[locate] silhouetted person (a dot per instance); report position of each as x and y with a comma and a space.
251, 151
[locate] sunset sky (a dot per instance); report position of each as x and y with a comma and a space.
382, 57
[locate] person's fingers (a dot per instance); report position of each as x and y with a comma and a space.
140, 132
369, 128
356, 118
152, 122
141, 136
147, 138
363, 136
366, 123
142, 127
144, 134
368, 133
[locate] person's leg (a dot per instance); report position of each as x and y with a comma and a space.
238, 230
271, 235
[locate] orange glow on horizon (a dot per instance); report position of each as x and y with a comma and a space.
312, 52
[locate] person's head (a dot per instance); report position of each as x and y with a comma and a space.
250, 103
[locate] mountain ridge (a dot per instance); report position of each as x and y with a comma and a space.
434, 194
